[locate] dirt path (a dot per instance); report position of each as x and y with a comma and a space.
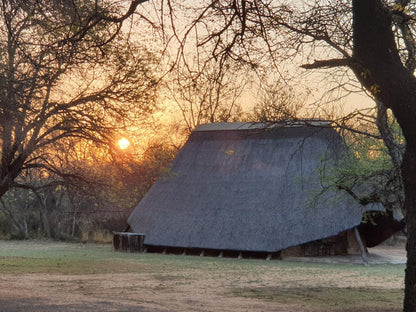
377, 255
123, 293
185, 290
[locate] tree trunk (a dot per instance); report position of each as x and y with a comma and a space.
4, 187
409, 174
45, 222
378, 67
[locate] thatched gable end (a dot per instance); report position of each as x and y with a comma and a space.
248, 188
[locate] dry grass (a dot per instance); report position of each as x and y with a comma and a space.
50, 276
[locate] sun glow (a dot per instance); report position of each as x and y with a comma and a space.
123, 143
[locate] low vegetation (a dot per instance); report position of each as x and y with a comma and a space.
179, 283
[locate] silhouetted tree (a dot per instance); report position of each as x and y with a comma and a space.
66, 72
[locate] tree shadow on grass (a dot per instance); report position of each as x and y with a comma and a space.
349, 299
37, 305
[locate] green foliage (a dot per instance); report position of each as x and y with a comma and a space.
367, 171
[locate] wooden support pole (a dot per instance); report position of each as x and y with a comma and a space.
362, 247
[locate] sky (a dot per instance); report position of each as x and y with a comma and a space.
318, 82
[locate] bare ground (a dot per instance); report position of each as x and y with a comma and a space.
185, 290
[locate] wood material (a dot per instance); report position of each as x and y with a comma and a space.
128, 242
362, 247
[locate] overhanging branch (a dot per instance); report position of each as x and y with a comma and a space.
328, 63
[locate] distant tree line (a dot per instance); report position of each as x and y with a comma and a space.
89, 209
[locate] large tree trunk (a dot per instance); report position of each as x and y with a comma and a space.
409, 174
3, 189
377, 65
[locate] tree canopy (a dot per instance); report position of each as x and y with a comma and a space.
68, 73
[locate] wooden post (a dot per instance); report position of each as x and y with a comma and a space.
128, 242
360, 243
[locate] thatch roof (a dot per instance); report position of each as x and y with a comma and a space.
248, 187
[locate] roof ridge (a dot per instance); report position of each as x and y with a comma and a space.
232, 126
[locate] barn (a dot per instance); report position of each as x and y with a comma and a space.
252, 189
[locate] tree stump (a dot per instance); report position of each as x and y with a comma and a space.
128, 242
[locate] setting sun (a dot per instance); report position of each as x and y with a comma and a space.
123, 143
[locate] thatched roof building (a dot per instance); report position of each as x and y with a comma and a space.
249, 187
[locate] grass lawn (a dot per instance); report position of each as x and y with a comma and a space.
64, 274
